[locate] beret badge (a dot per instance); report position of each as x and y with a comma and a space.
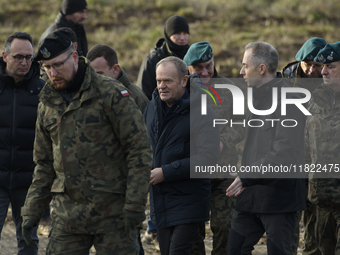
321, 59
45, 53
330, 57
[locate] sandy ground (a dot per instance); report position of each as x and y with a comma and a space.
8, 241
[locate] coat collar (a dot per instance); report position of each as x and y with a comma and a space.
266, 88
33, 74
124, 79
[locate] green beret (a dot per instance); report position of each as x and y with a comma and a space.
198, 53
330, 53
310, 49
53, 45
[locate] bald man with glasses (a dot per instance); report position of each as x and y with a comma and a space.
19, 88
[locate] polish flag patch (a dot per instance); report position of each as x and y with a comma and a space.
125, 93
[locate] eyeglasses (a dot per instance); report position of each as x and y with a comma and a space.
19, 58
311, 65
57, 66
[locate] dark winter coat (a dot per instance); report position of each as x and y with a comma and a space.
61, 21
179, 199
272, 145
147, 73
18, 115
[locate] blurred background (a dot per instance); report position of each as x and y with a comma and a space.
132, 27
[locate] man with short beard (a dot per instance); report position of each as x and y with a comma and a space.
93, 157
73, 37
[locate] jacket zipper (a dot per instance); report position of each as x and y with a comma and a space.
12, 146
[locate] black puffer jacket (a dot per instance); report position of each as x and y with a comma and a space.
61, 21
181, 139
17, 127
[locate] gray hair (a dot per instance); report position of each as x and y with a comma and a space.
16, 35
181, 66
264, 53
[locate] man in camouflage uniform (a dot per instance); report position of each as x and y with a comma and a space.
305, 73
104, 61
200, 61
92, 154
322, 148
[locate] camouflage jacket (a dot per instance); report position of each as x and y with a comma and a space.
322, 147
93, 156
136, 93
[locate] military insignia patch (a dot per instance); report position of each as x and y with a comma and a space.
125, 93
204, 58
310, 57
321, 59
45, 53
330, 57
